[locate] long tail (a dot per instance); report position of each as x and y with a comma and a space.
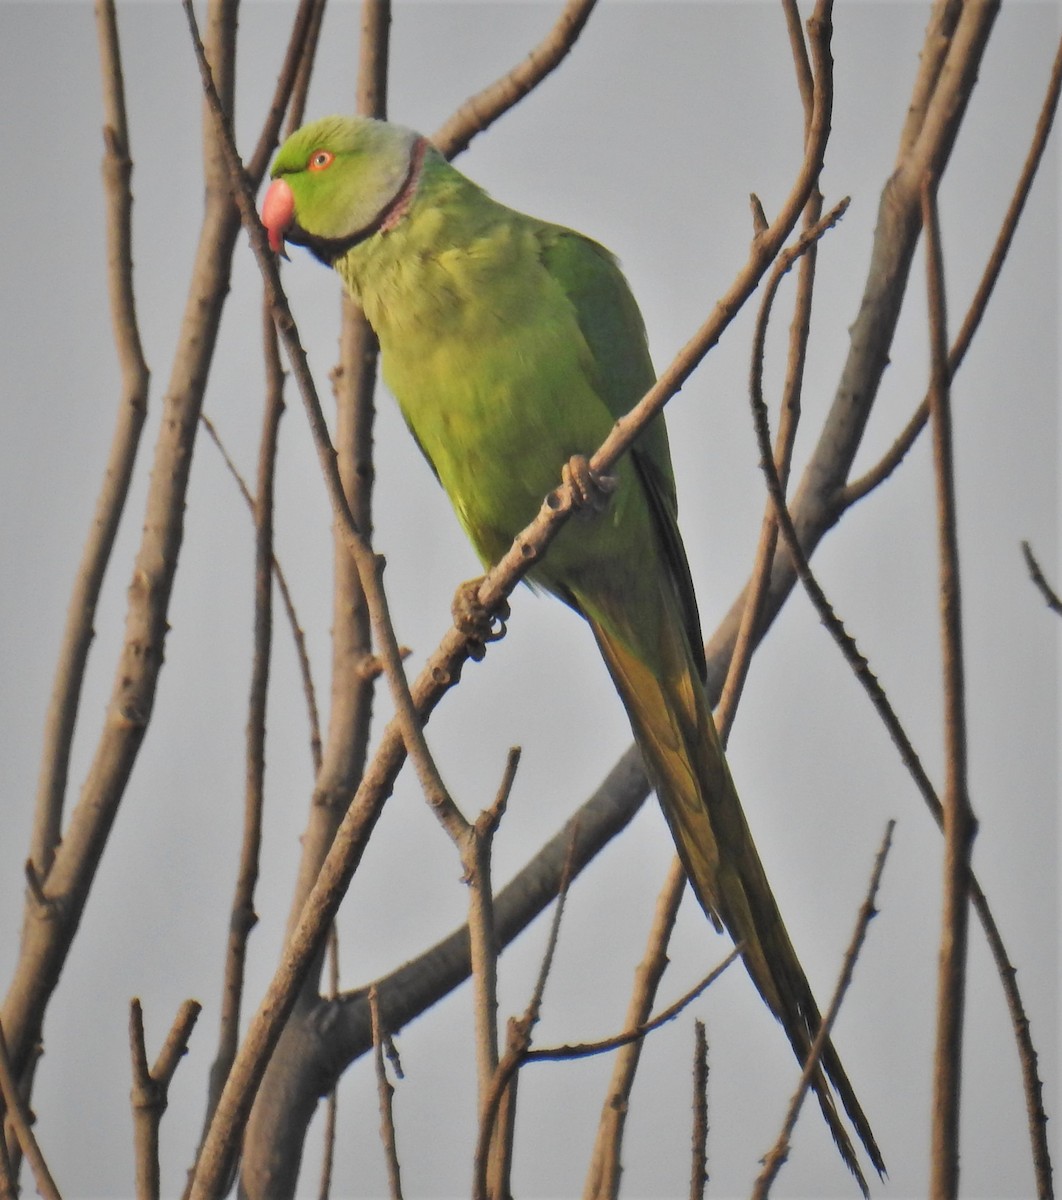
672, 722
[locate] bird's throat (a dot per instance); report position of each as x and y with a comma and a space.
399, 206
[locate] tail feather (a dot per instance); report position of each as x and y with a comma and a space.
669, 712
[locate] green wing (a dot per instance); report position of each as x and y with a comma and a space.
621, 372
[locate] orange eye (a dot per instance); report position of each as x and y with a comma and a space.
320, 159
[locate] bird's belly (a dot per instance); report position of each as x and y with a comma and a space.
499, 446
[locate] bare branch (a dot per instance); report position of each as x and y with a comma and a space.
324, 1188
603, 1176
298, 637
639, 1032
699, 1149
488, 105
385, 1091
373, 58
243, 917
132, 410
474, 845
498, 1110
307, 56
8, 1181
20, 1120
150, 1091
298, 60
48, 933
960, 825
1026, 1051
858, 488
759, 581
1036, 574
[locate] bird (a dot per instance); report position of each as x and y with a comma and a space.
512, 345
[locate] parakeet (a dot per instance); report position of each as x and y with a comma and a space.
512, 345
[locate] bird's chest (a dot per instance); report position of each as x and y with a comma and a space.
487, 379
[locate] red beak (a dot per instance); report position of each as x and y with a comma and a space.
278, 212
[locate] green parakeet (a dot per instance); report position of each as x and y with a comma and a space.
512, 345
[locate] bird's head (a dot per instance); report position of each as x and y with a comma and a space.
337, 181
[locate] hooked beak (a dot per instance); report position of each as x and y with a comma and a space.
278, 212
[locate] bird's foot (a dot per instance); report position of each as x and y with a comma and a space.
591, 490
479, 625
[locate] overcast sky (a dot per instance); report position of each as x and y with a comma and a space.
649, 138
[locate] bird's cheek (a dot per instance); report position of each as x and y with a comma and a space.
278, 211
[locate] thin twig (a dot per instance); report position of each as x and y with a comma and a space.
307, 56
298, 58
1051, 598
773, 1161
385, 1091
639, 1032
699, 1137
801, 63
243, 917
486, 106
328, 1139
373, 58
298, 637
760, 578
494, 1149
77, 637
150, 1091
21, 1122
858, 488
8, 1182
960, 826
603, 1175
475, 846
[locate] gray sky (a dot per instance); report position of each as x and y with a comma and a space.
649, 139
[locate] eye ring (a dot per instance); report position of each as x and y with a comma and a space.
320, 160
